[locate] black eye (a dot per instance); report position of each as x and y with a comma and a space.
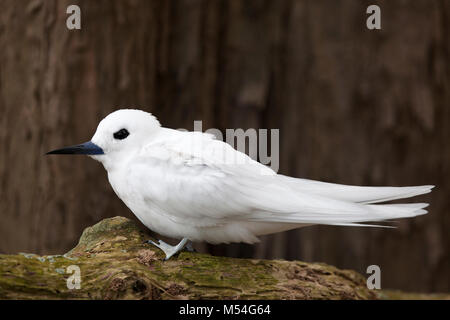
121, 134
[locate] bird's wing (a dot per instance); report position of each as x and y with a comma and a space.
193, 176
203, 181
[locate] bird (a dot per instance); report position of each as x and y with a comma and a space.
191, 186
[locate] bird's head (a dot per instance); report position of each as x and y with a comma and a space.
118, 135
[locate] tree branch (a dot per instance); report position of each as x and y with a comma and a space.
115, 264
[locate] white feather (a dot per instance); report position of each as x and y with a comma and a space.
186, 184
355, 193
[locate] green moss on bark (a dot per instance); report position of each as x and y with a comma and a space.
116, 264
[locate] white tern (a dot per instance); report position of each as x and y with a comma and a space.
190, 186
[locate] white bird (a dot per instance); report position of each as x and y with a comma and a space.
190, 186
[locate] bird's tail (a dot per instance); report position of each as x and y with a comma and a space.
356, 216
355, 194
384, 212
314, 202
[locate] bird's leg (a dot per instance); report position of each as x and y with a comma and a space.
167, 248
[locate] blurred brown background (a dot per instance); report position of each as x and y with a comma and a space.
353, 106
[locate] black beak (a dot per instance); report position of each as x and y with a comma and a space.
89, 148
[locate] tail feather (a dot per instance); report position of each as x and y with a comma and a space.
357, 194
289, 200
367, 213
361, 225
385, 212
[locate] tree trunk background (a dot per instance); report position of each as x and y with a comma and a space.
353, 106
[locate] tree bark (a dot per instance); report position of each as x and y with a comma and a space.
114, 263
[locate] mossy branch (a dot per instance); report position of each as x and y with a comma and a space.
115, 264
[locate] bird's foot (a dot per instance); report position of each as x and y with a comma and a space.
167, 248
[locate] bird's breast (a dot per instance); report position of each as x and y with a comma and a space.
143, 206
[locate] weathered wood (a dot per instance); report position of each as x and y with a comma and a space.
116, 264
